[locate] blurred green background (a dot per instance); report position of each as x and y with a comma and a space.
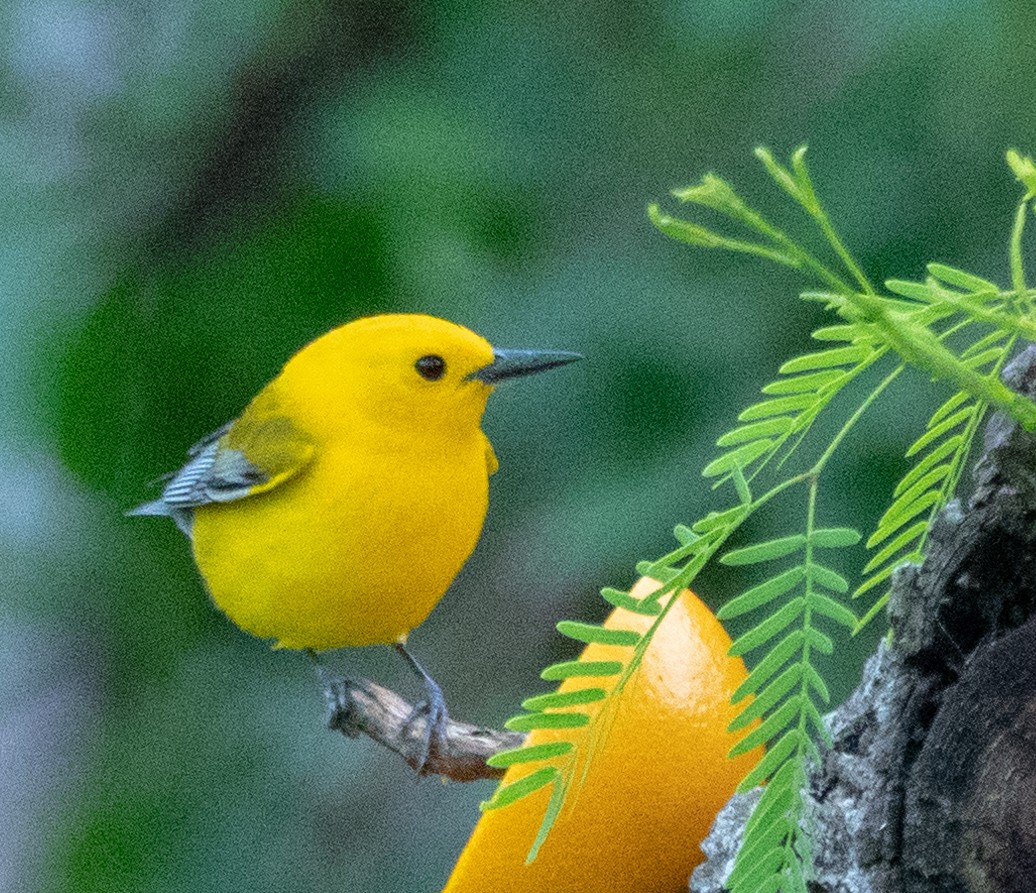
191, 190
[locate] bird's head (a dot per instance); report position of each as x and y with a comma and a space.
406, 371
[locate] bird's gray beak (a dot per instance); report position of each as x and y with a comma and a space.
513, 363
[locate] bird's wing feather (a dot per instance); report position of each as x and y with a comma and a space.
209, 439
243, 458
259, 452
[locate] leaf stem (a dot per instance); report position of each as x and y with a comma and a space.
816, 210
1017, 264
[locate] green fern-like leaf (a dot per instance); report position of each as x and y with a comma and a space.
619, 599
532, 754
526, 722
967, 282
776, 837
754, 598
782, 693
573, 710
557, 700
954, 327
773, 428
516, 790
569, 668
943, 450
589, 632
768, 551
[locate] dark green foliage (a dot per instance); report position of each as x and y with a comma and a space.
183, 323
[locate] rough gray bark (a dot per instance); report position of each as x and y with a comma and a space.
930, 785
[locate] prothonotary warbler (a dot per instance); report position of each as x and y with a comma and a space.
339, 506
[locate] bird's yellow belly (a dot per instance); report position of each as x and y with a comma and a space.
344, 555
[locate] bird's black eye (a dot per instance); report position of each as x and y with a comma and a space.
431, 366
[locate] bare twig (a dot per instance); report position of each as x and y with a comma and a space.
359, 706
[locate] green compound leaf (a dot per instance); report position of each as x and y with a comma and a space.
924, 489
992, 339
619, 599
762, 594
948, 407
557, 700
852, 332
553, 810
898, 545
978, 360
1023, 168
780, 794
934, 433
769, 665
684, 535
835, 537
833, 610
532, 754
719, 521
756, 430
773, 429
569, 668
662, 572
778, 406
771, 626
786, 745
768, 697
810, 711
815, 382
920, 486
818, 640
571, 719
960, 279
825, 359
816, 682
589, 632
917, 291
510, 793
739, 458
881, 576
761, 873
891, 521
931, 458
765, 840
773, 725
954, 327
768, 551
828, 579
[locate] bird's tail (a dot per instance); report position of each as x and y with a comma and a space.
183, 517
155, 507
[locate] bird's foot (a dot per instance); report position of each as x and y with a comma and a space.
432, 710
342, 714
341, 707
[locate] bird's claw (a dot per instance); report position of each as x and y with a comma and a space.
433, 736
341, 713
341, 708
433, 708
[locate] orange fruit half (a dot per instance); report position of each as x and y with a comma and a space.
657, 776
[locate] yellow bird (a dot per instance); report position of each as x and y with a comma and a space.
338, 508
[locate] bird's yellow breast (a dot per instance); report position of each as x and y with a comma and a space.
356, 549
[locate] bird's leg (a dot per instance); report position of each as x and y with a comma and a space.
433, 708
337, 697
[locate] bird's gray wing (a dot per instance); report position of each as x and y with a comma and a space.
241, 459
